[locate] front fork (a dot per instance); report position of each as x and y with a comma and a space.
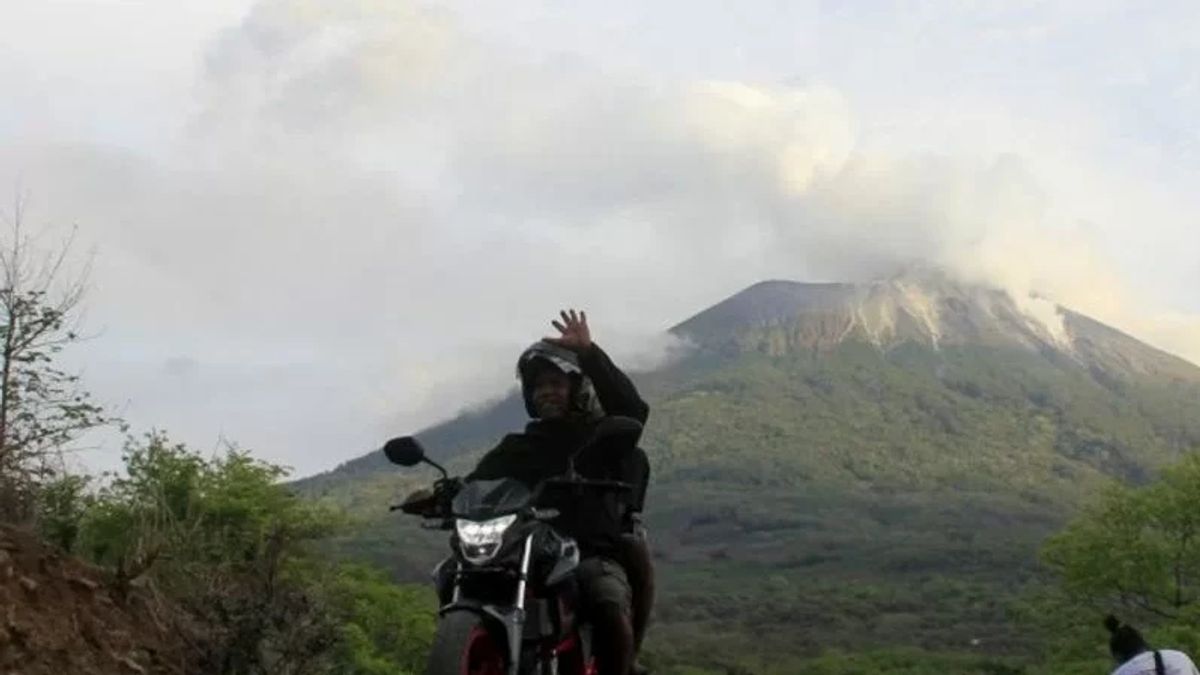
516, 617
511, 619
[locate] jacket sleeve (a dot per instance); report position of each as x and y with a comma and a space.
492, 465
615, 390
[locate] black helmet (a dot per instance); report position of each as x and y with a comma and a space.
543, 354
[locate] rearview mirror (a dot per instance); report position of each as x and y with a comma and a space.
405, 451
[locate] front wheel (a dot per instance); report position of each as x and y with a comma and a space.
463, 645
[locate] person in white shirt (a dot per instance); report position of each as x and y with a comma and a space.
1134, 656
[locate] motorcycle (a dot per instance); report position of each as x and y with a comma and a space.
512, 605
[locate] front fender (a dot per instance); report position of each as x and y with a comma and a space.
510, 622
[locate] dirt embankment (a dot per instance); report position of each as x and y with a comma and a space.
60, 616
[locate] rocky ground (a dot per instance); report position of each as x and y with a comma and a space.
60, 616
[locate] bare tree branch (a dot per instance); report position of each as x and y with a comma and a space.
42, 409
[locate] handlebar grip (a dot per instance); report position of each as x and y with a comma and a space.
416, 508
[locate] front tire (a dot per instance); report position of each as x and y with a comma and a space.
463, 645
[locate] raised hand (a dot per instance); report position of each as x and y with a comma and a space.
573, 331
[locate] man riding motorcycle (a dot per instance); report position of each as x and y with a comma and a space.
569, 384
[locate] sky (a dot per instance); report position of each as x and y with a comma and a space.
315, 224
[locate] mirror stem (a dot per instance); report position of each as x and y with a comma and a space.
435, 465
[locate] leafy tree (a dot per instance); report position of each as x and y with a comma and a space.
1132, 552
62, 504
1137, 549
225, 540
384, 628
218, 536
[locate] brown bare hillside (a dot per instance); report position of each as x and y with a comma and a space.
60, 616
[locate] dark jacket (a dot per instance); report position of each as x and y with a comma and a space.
594, 519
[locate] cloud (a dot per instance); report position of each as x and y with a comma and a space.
305, 72
373, 210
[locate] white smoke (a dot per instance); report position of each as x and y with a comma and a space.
373, 210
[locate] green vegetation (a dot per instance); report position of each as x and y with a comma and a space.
1132, 551
1137, 548
867, 662
384, 628
236, 550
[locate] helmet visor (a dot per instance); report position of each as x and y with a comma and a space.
562, 359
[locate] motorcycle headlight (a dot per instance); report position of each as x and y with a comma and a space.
480, 539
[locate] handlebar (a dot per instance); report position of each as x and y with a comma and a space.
435, 506
419, 507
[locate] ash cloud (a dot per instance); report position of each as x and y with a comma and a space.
373, 209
